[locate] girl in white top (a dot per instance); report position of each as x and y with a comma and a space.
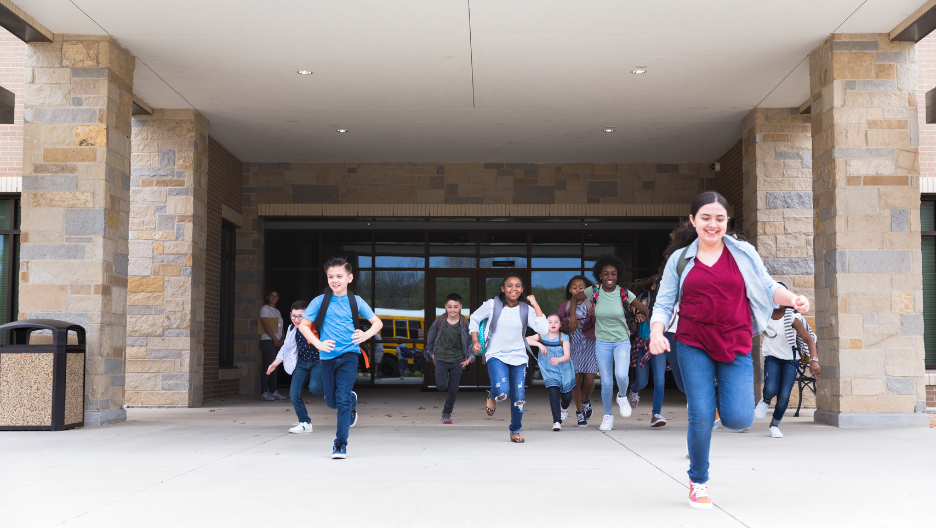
270, 341
506, 348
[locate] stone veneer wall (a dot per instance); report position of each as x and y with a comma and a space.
75, 203
446, 184
224, 189
778, 205
868, 261
729, 182
12, 73
165, 325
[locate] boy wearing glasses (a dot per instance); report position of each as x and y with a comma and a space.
300, 359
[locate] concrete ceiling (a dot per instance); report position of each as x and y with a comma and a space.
548, 75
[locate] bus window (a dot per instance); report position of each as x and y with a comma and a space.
414, 328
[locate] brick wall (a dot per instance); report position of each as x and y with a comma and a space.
224, 188
729, 182
12, 74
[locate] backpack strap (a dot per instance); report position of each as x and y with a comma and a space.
524, 317
320, 318
495, 315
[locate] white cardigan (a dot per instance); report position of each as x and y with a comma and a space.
289, 352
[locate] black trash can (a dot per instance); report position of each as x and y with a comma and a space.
41, 384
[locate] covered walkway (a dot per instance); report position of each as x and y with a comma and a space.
232, 463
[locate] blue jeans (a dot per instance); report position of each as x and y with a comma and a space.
658, 365
306, 372
673, 362
734, 400
338, 376
508, 380
779, 377
612, 357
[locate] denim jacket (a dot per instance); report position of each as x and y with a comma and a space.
759, 285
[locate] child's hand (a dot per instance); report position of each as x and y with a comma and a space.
328, 346
465, 362
358, 337
553, 361
476, 347
273, 367
814, 368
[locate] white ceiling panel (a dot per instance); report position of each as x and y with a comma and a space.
537, 84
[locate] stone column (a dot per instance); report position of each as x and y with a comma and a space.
166, 304
869, 292
76, 189
777, 167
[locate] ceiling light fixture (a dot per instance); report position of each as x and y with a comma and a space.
608, 129
640, 70
341, 130
304, 72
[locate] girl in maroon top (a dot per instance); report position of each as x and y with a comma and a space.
724, 296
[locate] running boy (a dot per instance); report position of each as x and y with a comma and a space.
449, 339
340, 344
300, 360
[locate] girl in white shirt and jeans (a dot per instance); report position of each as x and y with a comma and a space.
506, 347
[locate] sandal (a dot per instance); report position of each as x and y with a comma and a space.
490, 410
516, 438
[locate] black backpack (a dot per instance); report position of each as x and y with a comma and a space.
320, 318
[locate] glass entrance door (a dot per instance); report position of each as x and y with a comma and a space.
440, 285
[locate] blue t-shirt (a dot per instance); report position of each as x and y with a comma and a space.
338, 325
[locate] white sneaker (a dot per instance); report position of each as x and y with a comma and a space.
557, 426
266, 396
607, 423
301, 427
775, 432
624, 405
715, 425
563, 414
761, 410
277, 396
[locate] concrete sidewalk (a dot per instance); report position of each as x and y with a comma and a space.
231, 463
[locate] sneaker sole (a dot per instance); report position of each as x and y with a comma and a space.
448, 422
700, 505
658, 424
299, 432
339, 456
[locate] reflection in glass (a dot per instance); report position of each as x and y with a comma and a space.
352, 245
447, 285
400, 250
6, 213
400, 305
549, 288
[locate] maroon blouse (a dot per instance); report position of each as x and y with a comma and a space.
714, 313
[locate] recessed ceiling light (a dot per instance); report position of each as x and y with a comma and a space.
639, 70
609, 129
304, 72
342, 130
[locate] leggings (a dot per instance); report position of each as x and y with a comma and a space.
557, 398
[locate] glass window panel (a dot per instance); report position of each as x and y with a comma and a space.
446, 285
503, 250
401, 250
401, 306
549, 287
927, 220
4, 276
292, 249
14, 313
6, 214
353, 245
929, 298
556, 250
293, 285
598, 244
650, 248
453, 250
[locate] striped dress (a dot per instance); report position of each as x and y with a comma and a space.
583, 348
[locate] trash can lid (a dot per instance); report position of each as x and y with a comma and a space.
56, 326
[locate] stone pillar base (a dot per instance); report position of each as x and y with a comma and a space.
105, 417
840, 419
